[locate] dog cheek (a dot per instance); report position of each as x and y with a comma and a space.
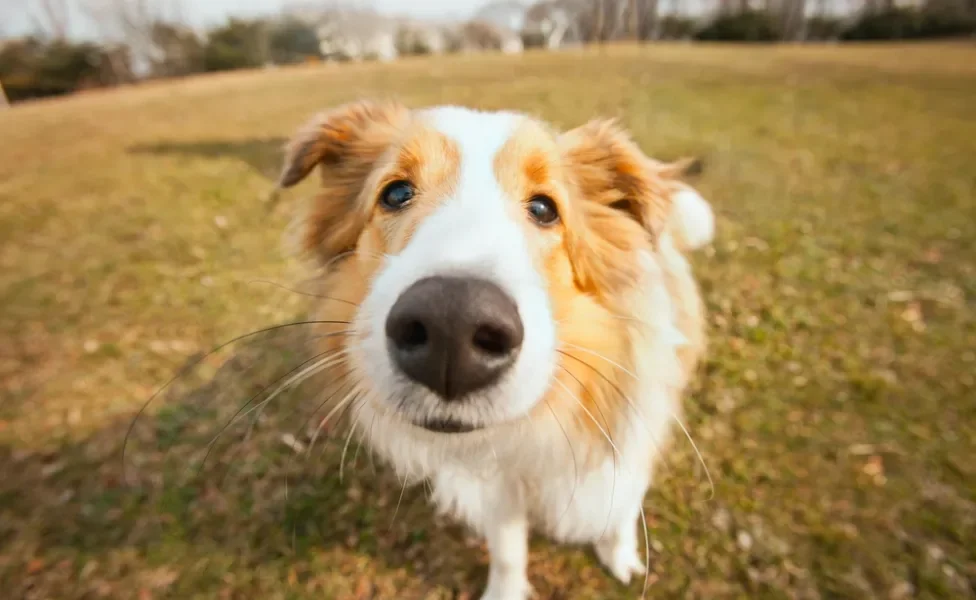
605, 265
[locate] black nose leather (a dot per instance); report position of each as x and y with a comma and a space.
454, 335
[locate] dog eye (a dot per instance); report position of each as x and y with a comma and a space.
543, 210
624, 205
397, 195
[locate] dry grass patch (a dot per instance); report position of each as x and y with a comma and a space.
836, 410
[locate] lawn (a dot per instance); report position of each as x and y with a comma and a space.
836, 411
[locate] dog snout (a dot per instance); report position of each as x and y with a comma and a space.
454, 335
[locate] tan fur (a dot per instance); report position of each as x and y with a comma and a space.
347, 143
686, 298
624, 202
613, 202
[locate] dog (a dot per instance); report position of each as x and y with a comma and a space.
511, 312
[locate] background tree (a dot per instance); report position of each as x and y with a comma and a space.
293, 40
53, 18
239, 44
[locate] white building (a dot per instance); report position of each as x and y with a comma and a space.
357, 35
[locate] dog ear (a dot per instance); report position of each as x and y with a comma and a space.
346, 143
611, 175
611, 170
351, 135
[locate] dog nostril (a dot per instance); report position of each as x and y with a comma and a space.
492, 340
413, 334
453, 335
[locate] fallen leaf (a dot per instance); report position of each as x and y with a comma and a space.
364, 589
874, 468
35, 565
744, 541
861, 449
913, 315
290, 441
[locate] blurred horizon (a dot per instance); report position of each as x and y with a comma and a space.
27, 17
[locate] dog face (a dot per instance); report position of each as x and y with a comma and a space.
479, 268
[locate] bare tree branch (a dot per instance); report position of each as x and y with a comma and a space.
132, 21
53, 17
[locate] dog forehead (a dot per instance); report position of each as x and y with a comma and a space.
478, 135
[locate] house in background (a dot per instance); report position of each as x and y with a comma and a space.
552, 24
497, 26
357, 35
482, 36
360, 34
422, 37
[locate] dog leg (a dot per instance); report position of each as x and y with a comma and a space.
618, 548
496, 509
507, 533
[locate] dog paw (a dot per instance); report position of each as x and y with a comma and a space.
622, 560
507, 588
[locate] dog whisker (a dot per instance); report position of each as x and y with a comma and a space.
347, 397
613, 454
633, 405
352, 431
348, 253
305, 424
309, 372
579, 403
460, 317
302, 293
701, 459
647, 551
359, 441
600, 356
339, 353
626, 318
238, 415
196, 362
616, 388
372, 458
396, 511
572, 451
235, 417
333, 359
681, 425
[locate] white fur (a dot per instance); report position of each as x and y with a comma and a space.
473, 233
692, 219
518, 472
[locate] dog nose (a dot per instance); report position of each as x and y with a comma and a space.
454, 335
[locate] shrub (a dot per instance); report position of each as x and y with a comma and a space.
31, 68
824, 28
412, 38
480, 35
746, 26
893, 24
901, 23
237, 45
947, 23
676, 28
533, 39
180, 51
293, 41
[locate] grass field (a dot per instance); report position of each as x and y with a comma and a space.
837, 410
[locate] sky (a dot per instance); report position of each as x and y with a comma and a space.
16, 16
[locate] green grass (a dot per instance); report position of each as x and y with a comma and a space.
836, 411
